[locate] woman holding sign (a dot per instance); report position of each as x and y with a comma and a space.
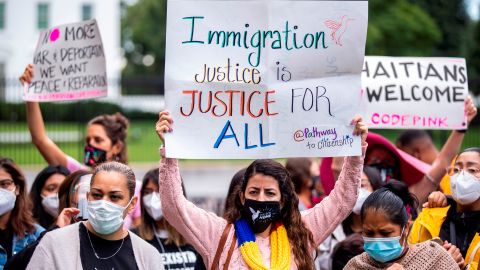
105, 140
265, 229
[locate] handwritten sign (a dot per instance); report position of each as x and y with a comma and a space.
416, 93
264, 79
69, 64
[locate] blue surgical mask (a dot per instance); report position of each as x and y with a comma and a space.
383, 249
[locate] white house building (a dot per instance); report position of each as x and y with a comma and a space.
22, 20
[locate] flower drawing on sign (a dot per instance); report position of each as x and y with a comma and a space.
54, 35
338, 28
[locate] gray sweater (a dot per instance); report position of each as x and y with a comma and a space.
60, 249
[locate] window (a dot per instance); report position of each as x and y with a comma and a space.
86, 12
42, 15
2, 15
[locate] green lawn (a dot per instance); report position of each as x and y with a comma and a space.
143, 142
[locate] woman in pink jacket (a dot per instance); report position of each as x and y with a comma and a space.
269, 231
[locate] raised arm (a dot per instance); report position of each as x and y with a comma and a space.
47, 148
431, 180
331, 211
200, 228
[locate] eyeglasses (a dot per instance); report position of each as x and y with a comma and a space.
471, 170
7, 184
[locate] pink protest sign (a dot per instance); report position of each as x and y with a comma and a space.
415, 93
69, 64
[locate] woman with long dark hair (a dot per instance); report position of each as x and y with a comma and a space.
44, 194
271, 231
17, 226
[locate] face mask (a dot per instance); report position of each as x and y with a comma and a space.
50, 204
94, 156
153, 206
260, 214
7, 200
362, 196
105, 217
465, 188
386, 172
383, 249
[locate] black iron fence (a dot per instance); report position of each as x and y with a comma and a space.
65, 121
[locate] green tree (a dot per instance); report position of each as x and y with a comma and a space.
473, 60
400, 28
143, 37
452, 19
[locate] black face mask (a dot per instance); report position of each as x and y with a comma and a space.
94, 156
260, 214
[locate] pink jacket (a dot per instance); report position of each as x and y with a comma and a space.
204, 229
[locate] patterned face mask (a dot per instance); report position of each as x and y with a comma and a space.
94, 156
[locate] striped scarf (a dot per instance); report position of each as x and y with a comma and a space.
280, 247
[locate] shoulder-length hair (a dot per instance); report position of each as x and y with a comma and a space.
39, 213
300, 237
21, 218
145, 229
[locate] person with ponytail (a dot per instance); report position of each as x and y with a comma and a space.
265, 229
101, 242
105, 139
386, 218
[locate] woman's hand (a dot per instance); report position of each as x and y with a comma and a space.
470, 109
436, 199
164, 124
65, 217
455, 253
360, 128
27, 76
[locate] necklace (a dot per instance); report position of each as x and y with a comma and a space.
104, 258
163, 249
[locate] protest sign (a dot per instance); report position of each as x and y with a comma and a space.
415, 93
264, 79
69, 64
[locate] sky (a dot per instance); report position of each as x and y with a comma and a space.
473, 7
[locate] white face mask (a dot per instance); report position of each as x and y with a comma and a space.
153, 206
50, 204
106, 217
465, 188
7, 200
362, 196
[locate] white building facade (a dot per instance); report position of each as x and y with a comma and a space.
22, 20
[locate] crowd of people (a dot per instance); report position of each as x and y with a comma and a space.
397, 206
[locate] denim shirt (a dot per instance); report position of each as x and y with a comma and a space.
19, 244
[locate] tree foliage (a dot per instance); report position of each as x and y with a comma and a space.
400, 28
143, 34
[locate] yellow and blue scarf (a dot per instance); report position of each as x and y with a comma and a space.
280, 247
